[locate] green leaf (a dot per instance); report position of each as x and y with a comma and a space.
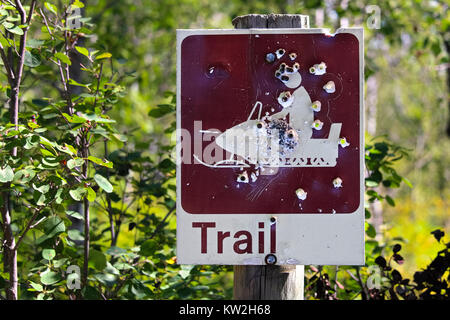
103, 183
34, 43
371, 183
74, 118
104, 163
65, 149
6, 174
370, 230
97, 259
83, 51
42, 189
31, 60
78, 193
49, 277
16, 30
12, 28
36, 286
184, 273
75, 235
72, 163
77, 84
116, 251
8, 25
48, 254
52, 8
408, 183
24, 176
148, 248
78, 4
63, 58
90, 194
53, 226
74, 214
161, 110
390, 201
105, 55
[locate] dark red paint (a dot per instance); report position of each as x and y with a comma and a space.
224, 97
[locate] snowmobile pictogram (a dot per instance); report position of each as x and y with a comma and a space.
283, 139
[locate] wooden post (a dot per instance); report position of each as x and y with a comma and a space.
271, 282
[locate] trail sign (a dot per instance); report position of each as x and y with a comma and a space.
270, 146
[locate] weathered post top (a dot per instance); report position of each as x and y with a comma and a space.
268, 21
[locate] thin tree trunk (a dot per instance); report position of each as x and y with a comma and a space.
108, 200
86, 217
10, 252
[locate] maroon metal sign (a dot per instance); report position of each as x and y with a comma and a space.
223, 77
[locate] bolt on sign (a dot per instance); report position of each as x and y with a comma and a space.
270, 148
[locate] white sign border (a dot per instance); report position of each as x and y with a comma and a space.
327, 239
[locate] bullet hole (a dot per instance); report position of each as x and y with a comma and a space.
285, 78
292, 134
273, 219
301, 194
316, 106
270, 259
337, 182
270, 57
329, 87
343, 142
285, 99
280, 53
292, 55
317, 125
243, 177
318, 69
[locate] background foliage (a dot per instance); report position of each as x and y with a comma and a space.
98, 137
